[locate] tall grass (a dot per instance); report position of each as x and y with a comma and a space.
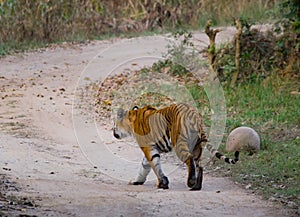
26, 22
49, 20
223, 12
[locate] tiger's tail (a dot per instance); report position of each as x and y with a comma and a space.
215, 152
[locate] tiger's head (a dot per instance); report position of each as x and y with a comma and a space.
123, 124
132, 122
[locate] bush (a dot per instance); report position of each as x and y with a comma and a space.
275, 51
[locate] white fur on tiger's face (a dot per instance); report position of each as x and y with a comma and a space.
122, 125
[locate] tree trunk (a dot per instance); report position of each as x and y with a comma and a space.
212, 45
237, 52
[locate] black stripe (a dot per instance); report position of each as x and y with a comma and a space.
167, 144
154, 156
167, 118
162, 146
236, 156
218, 155
143, 115
159, 146
193, 170
214, 150
165, 140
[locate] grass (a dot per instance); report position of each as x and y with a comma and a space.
263, 104
274, 171
202, 102
271, 109
30, 24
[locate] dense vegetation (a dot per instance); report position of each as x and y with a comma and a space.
27, 23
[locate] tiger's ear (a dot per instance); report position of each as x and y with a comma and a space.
135, 108
121, 113
132, 115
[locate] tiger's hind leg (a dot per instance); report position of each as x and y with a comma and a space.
185, 156
198, 185
192, 180
197, 152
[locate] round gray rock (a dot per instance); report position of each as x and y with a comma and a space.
243, 138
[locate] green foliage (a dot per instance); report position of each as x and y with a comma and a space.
288, 26
223, 12
41, 22
271, 109
290, 15
268, 104
262, 53
273, 172
179, 51
170, 66
202, 102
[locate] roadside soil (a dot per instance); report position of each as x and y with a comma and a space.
48, 160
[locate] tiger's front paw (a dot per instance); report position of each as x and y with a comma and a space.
138, 183
163, 183
135, 183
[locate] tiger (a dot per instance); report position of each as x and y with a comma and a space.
179, 127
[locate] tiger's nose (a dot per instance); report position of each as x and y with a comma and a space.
117, 136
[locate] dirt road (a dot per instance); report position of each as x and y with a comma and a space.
54, 160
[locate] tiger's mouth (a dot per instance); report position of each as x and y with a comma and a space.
120, 133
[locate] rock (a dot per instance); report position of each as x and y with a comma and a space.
248, 186
243, 138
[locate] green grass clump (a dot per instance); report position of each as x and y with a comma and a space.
273, 171
273, 111
263, 104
